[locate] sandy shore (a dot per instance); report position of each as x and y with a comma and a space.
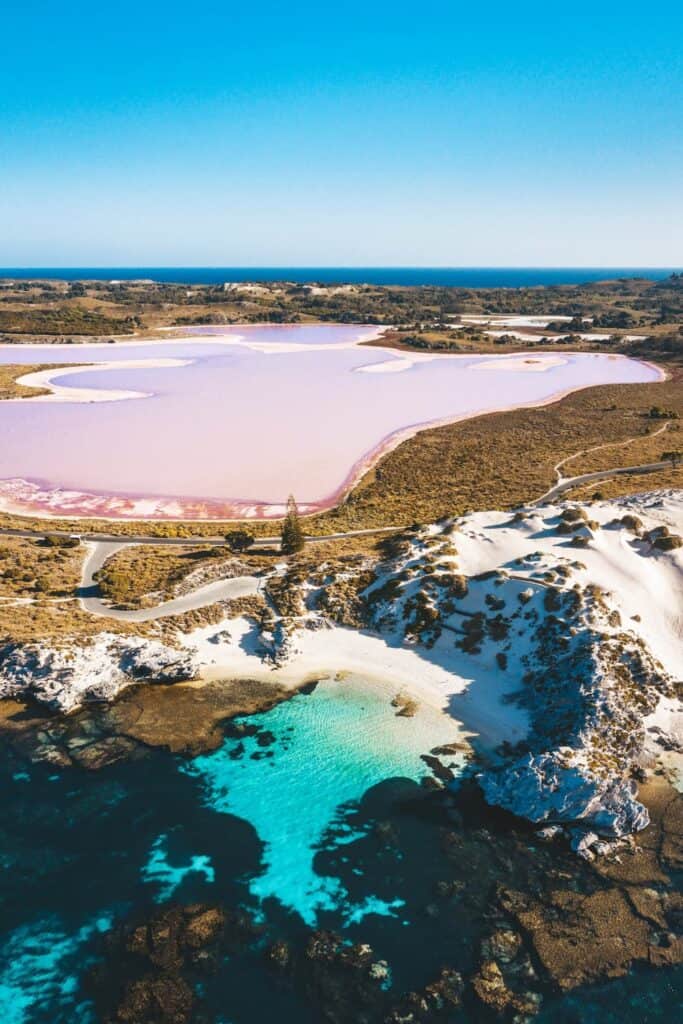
69, 393
522, 364
437, 680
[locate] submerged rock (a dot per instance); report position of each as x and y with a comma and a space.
489, 986
155, 1000
156, 963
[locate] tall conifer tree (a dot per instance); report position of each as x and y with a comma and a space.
292, 534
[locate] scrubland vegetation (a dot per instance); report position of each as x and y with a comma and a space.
63, 319
620, 486
38, 584
136, 573
642, 449
29, 568
423, 315
8, 381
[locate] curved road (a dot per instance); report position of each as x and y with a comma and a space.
219, 590
602, 474
101, 546
566, 483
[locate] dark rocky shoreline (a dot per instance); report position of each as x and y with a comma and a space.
514, 921
537, 922
181, 718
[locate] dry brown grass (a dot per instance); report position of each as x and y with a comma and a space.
136, 577
622, 486
8, 381
146, 575
330, 550
30, 568
38, 593
58, 622
65, 318
209, 615
639, 451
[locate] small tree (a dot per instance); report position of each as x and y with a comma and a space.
292, 537
239, 540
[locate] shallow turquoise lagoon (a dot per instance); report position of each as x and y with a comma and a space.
328, 749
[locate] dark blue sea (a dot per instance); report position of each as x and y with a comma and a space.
456, 277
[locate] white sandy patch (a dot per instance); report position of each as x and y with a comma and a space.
225, 336
667, 721
399, 363
641, 582
521, 364
514, 321
222, 336
64, 393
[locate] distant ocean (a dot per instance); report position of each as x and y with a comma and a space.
459, 277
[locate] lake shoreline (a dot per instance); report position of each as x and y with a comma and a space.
35, 497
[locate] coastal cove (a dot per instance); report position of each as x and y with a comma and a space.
222, 417
317, 818
341, 514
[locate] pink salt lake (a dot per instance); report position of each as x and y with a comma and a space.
248, 415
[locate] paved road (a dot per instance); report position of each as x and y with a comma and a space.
102, 546
219, 590
603, 474
565, 483
217, 541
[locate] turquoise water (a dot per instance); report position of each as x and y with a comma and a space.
311, 813
244, 826
166, 875
40, 966
329, 748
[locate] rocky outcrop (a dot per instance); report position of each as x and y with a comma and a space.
545, 788
588, 686
66, 676
180, 718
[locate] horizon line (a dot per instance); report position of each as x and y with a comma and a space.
344, 266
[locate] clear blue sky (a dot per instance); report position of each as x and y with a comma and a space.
433, 133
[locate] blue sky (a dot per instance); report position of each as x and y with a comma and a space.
363, 133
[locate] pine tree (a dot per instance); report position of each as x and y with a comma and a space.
292, 534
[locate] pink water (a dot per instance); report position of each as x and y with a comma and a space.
237, 430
